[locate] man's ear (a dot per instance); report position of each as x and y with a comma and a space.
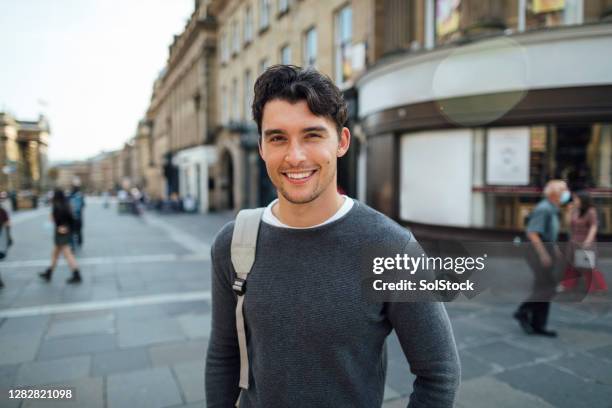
344, 142
259, 147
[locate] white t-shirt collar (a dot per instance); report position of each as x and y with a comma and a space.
269, 217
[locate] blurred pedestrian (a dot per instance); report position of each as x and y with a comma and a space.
543, 256
64, 221
5, 234
77, 204
582, 221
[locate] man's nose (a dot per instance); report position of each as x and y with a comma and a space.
295, 154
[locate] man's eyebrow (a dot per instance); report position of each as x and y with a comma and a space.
271, 132
314, 129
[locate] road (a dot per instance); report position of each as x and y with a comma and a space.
134, 333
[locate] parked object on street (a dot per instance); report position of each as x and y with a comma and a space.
64, 223
581, 249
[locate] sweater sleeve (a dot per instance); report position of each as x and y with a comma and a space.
223, 356
426, 337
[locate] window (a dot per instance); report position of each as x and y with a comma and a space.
597, 11
235, 113
263, 65
283, 6
248, 94
235, 38
551, 13
224, 106
285, 55
343, 38
457, 19
224, 48
248, 25
310, 47
264, 14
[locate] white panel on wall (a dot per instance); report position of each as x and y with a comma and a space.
508, 156
436, 177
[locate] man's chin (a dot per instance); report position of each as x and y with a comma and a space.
299, 198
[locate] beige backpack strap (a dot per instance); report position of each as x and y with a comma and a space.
244, 243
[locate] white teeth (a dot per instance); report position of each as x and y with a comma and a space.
297, 176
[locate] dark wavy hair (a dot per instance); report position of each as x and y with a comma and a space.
293, 84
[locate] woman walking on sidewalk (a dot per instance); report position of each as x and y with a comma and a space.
64, 223
582, 221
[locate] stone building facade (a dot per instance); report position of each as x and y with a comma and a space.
23, 153
181, 115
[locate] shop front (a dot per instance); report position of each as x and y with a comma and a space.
461, 140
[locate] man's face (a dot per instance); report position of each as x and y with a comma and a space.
300, 150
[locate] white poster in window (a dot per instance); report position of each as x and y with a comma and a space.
508, 156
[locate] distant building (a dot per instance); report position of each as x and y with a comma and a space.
23, 153
176, 141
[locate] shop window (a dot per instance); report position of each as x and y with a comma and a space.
552, 13
597, 11
581, 154
401, 22
456, 19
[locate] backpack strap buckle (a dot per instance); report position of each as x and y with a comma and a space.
239, 286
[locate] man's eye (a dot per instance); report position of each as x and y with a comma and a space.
313, 135
277, 138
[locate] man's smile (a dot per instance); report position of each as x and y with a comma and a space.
299, 177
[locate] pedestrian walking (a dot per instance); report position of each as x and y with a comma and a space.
63, 219
543, 256
77, 204
5, 235
306, 336
581, 249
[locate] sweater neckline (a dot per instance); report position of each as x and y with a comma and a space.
332, 224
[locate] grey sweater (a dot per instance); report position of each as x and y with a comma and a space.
313, 340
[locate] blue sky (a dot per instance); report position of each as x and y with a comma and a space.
88, 65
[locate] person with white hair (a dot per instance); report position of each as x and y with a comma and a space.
542, 256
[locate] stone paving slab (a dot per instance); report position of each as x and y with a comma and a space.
558, 387
173, 353
487, 392
140, 333
154, 388
119, 361
56, 371
18, 348
191, 380
72, 346
104, 324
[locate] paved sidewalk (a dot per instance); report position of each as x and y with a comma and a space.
134, 334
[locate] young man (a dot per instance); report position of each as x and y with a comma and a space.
313, 340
